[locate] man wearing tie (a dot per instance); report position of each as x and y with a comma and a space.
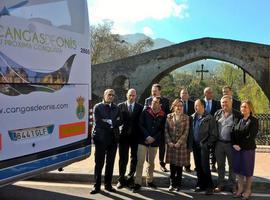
128, 138
211, 107
188, 110
188, 104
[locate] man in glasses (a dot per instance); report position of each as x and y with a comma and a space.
105, 135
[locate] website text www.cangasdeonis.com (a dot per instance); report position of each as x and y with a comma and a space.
35, 108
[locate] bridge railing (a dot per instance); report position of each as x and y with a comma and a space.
263, 137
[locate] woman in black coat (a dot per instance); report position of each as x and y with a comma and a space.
243, 140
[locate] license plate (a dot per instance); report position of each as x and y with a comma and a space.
30, 133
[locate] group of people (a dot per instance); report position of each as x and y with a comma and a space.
213, 130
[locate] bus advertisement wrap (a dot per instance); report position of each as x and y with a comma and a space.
45, 73
32, 123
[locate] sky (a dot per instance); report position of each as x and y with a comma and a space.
183, 20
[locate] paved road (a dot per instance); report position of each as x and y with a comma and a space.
25, 190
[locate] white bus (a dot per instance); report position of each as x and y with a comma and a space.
44, 86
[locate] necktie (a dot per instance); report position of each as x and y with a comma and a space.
130, 108
186, 107
208, 107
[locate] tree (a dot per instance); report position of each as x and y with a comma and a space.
169, 87
106, 46
227, 74
254, 93
232, 76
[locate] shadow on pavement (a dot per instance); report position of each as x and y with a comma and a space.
7, 193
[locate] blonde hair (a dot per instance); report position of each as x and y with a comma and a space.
175, 102
226, 97
250, 106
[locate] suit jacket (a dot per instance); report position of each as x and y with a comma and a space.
130, 129
103, 132
236, 104
165, 104
215, 106
152, 124
207, 130
245, 135
190, 110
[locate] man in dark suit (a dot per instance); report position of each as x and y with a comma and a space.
227, 90
128, 138
165, 106
188, 103
188, 110
211, 106
105, 135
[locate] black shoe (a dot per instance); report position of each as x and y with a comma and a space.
151, 185
119, 185
130, 181
208, 191
136, 188
95, 191
198, 189
214, 169
187, 169
171, 188
110, 189
164, 169
218, 189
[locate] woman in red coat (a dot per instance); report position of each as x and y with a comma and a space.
243, 140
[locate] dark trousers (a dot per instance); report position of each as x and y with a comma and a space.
162, 150
123, 159
101, 151
176, 175
213, 156
201, 159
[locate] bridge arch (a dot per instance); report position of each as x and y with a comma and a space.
144, 69
160, 76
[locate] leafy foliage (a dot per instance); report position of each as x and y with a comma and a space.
253, 92
227, 74
106, 46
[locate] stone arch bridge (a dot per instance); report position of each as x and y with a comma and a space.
142, 70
